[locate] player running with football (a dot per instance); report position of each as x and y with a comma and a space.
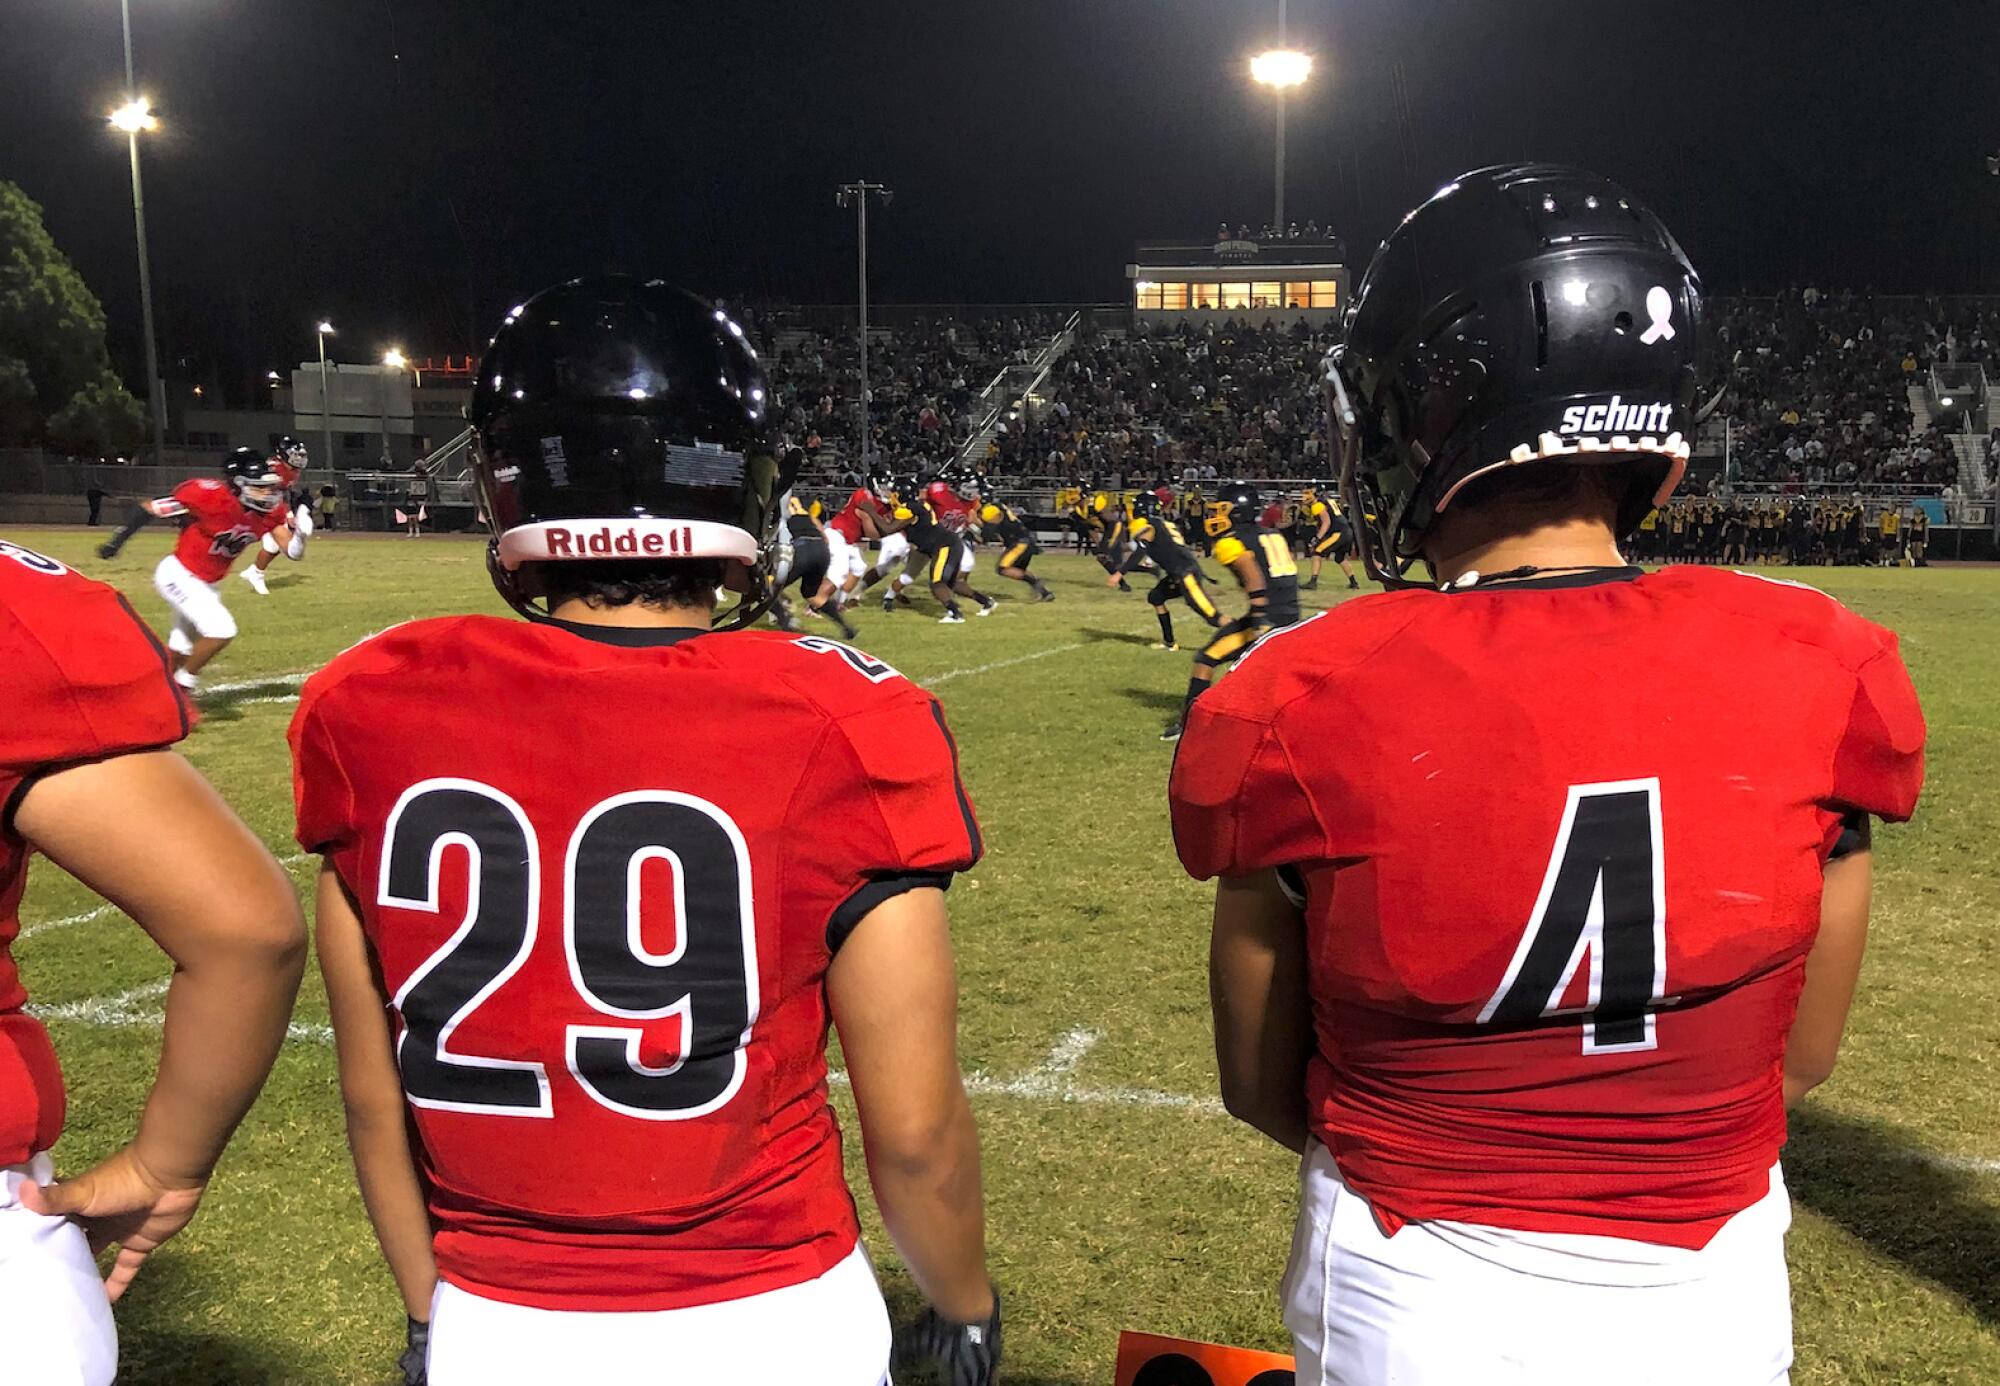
1159, 539
224, 517
583, 925
1018, 546
288, 460
87, 777
1529, 927
1261, 562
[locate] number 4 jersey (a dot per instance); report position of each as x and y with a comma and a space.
1561, 846
604, 872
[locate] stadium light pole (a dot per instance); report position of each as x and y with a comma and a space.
325, 330
394, 359
134, 117
1281, 69
856, 195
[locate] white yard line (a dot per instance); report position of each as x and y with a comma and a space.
948, 675
246, 685
1049, 1081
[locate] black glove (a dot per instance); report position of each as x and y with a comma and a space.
411, 1363
965, 1354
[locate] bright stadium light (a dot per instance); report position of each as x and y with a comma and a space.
1281, 67
394, 359
325, 329
135, 116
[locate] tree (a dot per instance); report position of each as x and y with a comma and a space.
56, 381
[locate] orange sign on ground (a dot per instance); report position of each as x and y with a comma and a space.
1146, 1359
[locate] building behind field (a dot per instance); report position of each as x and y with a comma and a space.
1251, 281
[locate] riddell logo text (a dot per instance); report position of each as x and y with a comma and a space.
1617, 417
616, 543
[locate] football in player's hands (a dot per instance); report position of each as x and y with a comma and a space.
963, 1354
411, 1363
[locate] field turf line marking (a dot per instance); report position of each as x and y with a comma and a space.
1047, 1081
948, 675
272, 681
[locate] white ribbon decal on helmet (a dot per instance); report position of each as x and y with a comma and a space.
1659, 307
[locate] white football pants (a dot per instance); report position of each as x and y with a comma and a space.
833, 1331
1459, 1304
59, 1330
197, 606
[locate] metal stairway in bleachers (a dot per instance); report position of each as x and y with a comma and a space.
1013, 391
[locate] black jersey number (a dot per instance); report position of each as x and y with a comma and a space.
1602, 906
708, 979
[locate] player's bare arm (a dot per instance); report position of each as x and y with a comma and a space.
372, 1095
893, 993
176, 859
1833, 968
1257, 991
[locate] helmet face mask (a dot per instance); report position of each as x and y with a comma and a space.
1525, 313
251, 476
619, 420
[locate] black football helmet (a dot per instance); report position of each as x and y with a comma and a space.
1236, 506
618, 419
251, 477
291, 451
1145, 505
1525, 312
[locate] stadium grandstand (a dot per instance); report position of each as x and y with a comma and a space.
1881, 402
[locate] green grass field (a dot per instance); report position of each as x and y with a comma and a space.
1118, 1196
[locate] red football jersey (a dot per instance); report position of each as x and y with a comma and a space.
848, 521
288, 472
954, 511
616, 1062
1561, 847
80, 678
221, 528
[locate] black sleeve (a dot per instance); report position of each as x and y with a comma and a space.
856, 907
1856, 835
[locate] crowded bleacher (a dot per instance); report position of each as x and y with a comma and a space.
1819, 398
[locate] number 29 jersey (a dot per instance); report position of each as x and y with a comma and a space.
1561, 849
596, 870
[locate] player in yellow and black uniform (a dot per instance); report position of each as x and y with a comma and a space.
1017, 546
1261, 562
944, 552
1161, 540
1332, 537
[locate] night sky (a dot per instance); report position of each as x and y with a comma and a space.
412, 167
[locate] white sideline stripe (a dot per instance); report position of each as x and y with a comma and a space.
274, 698
1047, 1081
246, 685
948, 675
43, 926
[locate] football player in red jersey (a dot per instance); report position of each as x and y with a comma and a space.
224, 517
288, 460
1543, 882
87, 714
863, 519
581, 979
